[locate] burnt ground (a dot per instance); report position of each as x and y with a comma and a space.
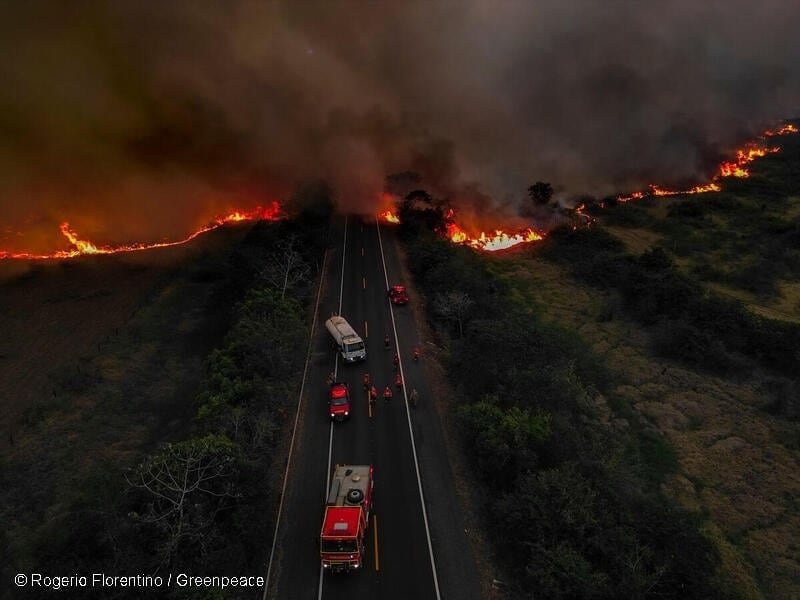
58, 317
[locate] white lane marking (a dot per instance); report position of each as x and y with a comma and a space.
294, 427
335, 375
408, 419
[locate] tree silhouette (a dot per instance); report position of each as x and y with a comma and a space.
541, 193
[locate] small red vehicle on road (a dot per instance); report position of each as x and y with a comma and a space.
339, 401
398, 295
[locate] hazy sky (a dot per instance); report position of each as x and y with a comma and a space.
139, 120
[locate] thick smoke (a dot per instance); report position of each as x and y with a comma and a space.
139, 120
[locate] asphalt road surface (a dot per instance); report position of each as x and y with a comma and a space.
416, 543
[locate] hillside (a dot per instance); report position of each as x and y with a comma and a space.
693, 302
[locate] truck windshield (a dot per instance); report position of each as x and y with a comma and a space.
339, 401
346, 546
354, 347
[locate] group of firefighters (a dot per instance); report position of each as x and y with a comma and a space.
413, 397
398, 379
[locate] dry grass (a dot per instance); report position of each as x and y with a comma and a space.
636, 240
735, 466
785, 307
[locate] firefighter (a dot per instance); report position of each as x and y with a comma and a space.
398, 381
414, 397
367, 381
386, 341
387, 393
331, 378
416, 354
395, 360
373, 394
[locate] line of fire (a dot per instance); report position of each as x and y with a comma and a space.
489, 242
501, 240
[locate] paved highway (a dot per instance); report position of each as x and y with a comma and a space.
417, 547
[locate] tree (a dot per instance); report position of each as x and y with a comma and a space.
420, 211
285, 268
541, 193
186, 484
454, 305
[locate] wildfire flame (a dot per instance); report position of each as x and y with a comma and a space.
500, 240
735, 168
82, 247
389, 217
782, 131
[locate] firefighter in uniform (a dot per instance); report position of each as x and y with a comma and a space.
387, 393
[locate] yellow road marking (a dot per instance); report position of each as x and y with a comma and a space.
364, 282
375, 534
366, 330
369, 405
362, 252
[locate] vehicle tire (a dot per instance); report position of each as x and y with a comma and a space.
355, 496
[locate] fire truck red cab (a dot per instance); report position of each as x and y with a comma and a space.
346, 518
339, 401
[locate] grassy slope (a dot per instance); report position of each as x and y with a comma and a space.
114, 369
737, 465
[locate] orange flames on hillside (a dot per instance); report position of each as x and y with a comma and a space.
492, 242
736, 168
499, 240
81, 247
389, 217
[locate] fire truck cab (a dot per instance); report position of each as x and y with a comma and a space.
346, 518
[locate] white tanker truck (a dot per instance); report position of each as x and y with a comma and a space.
351, 346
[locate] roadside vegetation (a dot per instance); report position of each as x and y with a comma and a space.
628, 392
158, 455
571, 492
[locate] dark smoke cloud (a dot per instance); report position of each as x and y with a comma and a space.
140, 120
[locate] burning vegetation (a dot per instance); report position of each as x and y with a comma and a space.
735, 168
501, 239
81, 247
496, 239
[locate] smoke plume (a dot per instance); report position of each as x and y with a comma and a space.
137, 121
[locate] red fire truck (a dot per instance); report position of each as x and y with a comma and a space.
346, 518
